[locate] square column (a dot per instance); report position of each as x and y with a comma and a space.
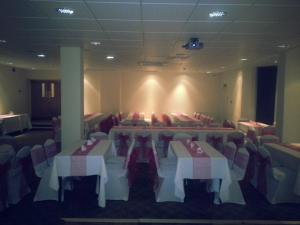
71, 71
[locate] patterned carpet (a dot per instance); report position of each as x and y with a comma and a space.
82, 203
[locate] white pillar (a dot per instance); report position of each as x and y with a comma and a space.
71, 69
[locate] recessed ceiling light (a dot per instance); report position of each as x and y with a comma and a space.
217, 14
275, 61
65, 11
244, 59
222, 67
2, 41
110, 57
33, 68
9, 63
41, 55
208, 72
96, 43
283, 46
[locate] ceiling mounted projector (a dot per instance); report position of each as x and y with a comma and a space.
193, 44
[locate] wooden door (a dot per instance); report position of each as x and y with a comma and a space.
45, 99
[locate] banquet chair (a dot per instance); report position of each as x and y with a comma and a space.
275, 182
251, 171
6, 139
269, 139
268, 130
252, 136
17, 186
143, 145
237, 138
51, 150
117, 186
164, 186
164, 139
99, 135
229, 152
121, 143
24, 158
240, 164
215, 140
42, 170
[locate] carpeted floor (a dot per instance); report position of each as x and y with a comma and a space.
198, 206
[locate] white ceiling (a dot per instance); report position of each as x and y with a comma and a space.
142, 32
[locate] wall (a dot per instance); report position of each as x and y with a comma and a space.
239, 94
14, 90
169, 92
291, 111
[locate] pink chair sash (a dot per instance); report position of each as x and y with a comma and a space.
241, 160
153, 164
250, 172
252, 136
132, 166
143, 141
123, 146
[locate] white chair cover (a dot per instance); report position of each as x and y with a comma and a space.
279, 181
240, 164
117, 187
166, 169
39, 160
229, 152
51, 150
269, 139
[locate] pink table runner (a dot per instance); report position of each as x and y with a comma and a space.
201, 161
252, 124
175, 128
78, 160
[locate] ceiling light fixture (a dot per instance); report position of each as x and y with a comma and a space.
208, 72
275, 61
41, 55
9, 63
65, 11
96, 43
217, 14
110, 57
244, 59
283, 46
3, 41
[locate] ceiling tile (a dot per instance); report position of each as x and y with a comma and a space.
120, 10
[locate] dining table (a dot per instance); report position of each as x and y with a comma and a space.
82, 160
199, 160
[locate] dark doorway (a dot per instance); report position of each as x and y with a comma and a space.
45, 99
266, 93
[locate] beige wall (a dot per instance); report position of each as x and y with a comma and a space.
14, 90
168, 92
239, 94
291, 111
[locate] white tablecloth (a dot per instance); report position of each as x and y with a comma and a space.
257, 127
154, 131
215, 166
286, 157
13, 123
91, 120
95, 165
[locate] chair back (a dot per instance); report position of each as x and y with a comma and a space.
39, 160
269, 139
164, 139
229, 152
240, 162
7, 153
51, 150
99, 135
251, 169
269, 130
143, 140
237, 138
6, 139
252, 136
264, 168
23, 153
122, 142
215, 140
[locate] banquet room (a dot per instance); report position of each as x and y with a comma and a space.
149, 112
